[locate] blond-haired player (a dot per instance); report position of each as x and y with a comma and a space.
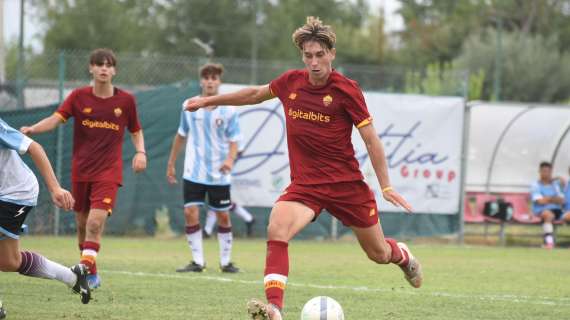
321, 107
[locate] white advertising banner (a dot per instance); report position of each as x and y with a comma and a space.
422, 139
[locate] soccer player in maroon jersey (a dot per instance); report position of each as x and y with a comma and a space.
102, 112
321, 106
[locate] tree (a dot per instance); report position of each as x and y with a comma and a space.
228, 26
363, 44
435, 30
123, 25
533, 70
223, 24
443, 79
350, 21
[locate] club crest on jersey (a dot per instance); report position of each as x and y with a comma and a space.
327, 100
118, 112
292, 96
219, 122
87, 110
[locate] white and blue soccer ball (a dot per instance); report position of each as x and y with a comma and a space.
322, 308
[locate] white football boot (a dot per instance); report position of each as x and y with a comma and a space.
413, 271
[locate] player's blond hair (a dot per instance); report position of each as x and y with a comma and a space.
314, 30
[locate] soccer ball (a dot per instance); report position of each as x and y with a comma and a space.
322, 308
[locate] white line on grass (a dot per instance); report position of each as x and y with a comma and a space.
491, 297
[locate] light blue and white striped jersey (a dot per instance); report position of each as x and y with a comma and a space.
539, 190
18, 184
208, 135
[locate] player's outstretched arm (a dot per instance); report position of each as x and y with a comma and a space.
177, 144
378, 159
46, 124
246, 96
139, 159
61, 197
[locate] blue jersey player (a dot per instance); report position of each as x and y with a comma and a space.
567, 196
211, 137
18, 195
547, 201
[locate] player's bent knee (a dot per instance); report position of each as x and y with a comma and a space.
547, 216
94, 227
9, 265
224, 220
277, 232
192, 215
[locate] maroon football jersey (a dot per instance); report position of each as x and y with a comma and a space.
98, 133
319, 126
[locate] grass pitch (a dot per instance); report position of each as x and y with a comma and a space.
139, 282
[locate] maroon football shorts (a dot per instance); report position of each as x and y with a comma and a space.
94, 195
351, 202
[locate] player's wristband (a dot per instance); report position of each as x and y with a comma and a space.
389, 188
138, 151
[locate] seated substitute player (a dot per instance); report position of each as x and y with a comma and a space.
211, 137
18, 195
102, 112
321, 106
547, 202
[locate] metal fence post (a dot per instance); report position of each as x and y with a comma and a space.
334, 228
59, 142
498, 61
256, 23
464, 158
20, 82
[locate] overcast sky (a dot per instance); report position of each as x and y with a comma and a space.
11, 20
